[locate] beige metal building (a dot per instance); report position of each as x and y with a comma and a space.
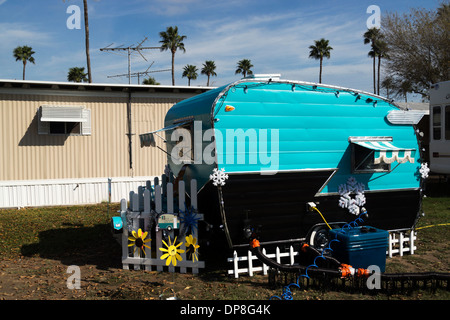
60, 142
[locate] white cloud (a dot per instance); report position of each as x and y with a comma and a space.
278, 43
17, 33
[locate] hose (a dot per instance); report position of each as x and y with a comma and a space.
341, 270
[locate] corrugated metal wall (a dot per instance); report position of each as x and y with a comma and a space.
25, 155
25, 193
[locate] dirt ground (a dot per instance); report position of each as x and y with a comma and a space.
102, 278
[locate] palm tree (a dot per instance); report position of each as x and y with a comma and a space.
244, 66
150, 81
318, 51
24, 54
86, 32
77, 74
388, 85
208, 69
403, 88
172, 41
371, 36
190, 72
381, 51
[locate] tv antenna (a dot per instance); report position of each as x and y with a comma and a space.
129, 50
139, 74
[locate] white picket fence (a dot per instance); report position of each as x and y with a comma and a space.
401, 242
398, 243
249, 264
139, 214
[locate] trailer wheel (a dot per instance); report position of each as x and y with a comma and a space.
318, 236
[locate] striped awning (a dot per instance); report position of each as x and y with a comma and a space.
384, 150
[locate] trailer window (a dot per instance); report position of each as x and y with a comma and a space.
437, 123
184, 141
447, 122
363, 161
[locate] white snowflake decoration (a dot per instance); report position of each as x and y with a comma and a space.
424, 170
218, 177
345, 191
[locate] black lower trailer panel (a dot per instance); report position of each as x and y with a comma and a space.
276, 206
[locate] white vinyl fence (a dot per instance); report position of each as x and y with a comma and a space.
398, 243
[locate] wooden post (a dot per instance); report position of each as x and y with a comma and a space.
182, 206
147, 227
123, 215
158, 209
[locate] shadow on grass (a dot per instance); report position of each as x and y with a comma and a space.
75, 244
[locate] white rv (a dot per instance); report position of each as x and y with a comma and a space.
440, 128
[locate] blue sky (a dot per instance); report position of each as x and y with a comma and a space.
274, 35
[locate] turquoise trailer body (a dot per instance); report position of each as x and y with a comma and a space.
286, 143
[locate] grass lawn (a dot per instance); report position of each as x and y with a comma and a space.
38, 244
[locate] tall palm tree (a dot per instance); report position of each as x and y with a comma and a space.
244, 66
318, 51
190, 72
24, 54
208, 69
388, 85
172, 41
371, 36
77, 74
381, 51
86, 32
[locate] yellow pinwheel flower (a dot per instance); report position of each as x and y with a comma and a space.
138, 240
172, 254
192, 246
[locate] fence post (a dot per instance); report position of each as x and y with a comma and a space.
391, 238
136, 222
400, 243
147, 226
182, 206
158, 209
265, 267
123, 214
235, 264
250, 263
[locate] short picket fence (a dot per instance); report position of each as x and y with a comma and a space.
248, 264
139, 214
401, 242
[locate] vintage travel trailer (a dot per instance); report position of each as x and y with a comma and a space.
440, 128
265, 151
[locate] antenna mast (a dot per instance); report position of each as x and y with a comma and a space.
129, 50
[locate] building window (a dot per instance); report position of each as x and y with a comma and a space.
447, 122
363, 161
436, 123
64, 120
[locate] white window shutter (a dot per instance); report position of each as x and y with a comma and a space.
86, 125
43, 126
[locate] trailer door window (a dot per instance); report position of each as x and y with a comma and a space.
437, 123
447, 122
